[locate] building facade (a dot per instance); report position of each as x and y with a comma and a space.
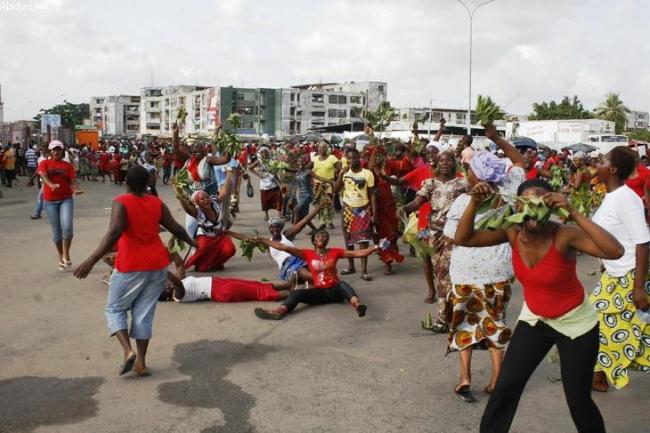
638, 120
116, 115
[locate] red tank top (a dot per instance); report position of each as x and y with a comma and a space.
140, 248
551, 287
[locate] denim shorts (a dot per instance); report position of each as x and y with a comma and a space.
60, 213
291, 265
138, 292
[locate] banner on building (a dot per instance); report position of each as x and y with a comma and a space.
214, 116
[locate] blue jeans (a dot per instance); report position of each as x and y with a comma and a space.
38, 208
138, 292
60, 214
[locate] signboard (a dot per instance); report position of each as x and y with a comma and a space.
53, 120
213, 112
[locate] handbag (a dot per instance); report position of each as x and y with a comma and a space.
250, 192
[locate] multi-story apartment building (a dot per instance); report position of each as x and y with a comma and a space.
638, 120
159, 107
451, 115
313, 106
118, 114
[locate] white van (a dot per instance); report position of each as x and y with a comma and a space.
606, 142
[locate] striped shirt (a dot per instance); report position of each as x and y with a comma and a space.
196, 289
30, 157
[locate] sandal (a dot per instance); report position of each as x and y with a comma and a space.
464, 394
63, 266
439, 328
263, 314
348, 271
127, 365
366, 277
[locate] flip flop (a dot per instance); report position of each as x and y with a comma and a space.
366, 277
348, 271
263, 314
465, 394
127, 365
439, 328
361, 310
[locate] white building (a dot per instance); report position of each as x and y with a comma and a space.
638, 120
159, 108
451, 115
310, 106
116, 115
560, 133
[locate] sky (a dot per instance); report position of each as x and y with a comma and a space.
524, 51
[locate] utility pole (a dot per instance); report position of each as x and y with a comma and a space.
470, 14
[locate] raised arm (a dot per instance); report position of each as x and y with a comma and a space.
508, 149
588, 237
188, 207
441, 129
115, 230
466, 235
226, 189
218, 160
297, 252
292, 231
168, 221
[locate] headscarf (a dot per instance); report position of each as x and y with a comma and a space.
488, 167
196, 196
276, 220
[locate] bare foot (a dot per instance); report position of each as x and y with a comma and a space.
141, 370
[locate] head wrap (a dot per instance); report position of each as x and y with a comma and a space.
579, 155
276, 220
196, 196
488, 167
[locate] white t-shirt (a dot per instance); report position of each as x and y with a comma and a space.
621, 214
196, 289
280, 256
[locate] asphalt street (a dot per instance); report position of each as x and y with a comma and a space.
217, 368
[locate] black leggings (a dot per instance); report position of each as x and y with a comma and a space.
341, 291
529, 345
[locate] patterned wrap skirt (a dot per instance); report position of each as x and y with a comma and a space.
478, 316
356, 224
624, 336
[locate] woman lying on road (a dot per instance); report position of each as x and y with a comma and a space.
556, 310
193, 289
322, 265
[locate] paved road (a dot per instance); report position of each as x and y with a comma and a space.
219, 369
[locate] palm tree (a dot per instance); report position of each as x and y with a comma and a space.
614, 110
381, 118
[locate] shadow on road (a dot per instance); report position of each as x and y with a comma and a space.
208, 362
29, 402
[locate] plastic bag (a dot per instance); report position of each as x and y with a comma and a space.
250, 192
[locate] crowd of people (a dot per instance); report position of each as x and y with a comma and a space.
381, 191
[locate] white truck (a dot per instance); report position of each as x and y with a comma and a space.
557, 134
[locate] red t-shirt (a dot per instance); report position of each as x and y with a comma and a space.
637, 183
532, 174
399, 167
61, 172
140, 248
323, 271
414, 180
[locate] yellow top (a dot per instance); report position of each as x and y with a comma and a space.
326, 167
10, 160
355, 187
573, 324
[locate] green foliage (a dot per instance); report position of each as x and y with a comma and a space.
71, 114
381, 117
639, 134
234, 120
248, 246
613, 109
566, 109
487, 111
533, 208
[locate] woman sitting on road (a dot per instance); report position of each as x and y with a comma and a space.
215, 247
556, 309
322, 265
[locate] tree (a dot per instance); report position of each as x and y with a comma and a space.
381, 117
566, 109
613, 109
640, 135
71, 114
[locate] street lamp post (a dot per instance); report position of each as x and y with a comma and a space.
470, 14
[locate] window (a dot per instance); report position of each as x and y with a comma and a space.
380, 88
356, 112
317, 98
460, 117
337, 99
332, 112
292, 111
356, 100
317, 114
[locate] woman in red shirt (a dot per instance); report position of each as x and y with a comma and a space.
59, 186
556, 310
140, 267
321, 262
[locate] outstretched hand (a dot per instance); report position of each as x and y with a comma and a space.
481, 191
83, 269
491, 132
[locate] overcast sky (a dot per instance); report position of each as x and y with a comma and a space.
524, 50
